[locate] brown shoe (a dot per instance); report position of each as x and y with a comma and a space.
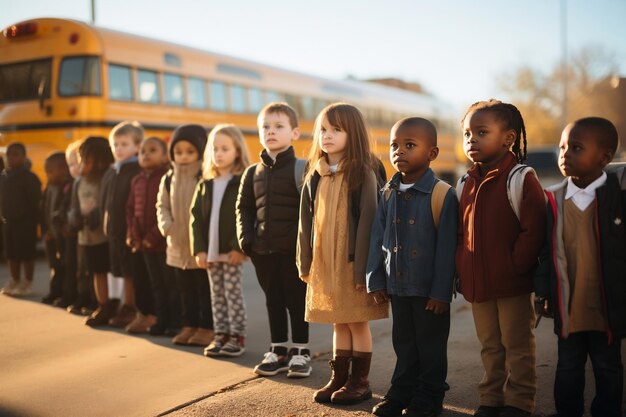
102, 315
357, 389
339, 376
185, 334
141, 323
202, 337
124, 317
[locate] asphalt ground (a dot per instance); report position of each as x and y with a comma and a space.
51, 364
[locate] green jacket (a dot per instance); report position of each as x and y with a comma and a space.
201, 205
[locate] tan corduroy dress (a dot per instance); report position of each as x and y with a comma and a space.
332, 296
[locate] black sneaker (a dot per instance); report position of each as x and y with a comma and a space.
510, 411
299, 364
388, 408
233, 347
216, 345
487, 411
272, 364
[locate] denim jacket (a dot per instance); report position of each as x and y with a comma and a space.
408, 255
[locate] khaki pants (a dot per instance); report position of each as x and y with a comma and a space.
504, 327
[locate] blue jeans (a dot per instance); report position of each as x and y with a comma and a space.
569, 384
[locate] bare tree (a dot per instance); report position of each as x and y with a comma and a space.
539, 95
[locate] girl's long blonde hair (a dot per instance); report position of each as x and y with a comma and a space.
357, 160
209, 169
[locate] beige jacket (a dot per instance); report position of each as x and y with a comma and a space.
173, 214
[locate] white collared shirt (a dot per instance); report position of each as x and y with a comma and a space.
582, 197
403, 187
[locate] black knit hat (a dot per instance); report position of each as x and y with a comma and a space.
194, 134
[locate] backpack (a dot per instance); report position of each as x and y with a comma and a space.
514, 186
355, 196
437, 198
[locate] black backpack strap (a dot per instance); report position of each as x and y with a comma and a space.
315, 179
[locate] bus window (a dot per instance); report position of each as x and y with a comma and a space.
196, 93
218, 96
273, 96
148, 86
308, 108
79, 76
120, 85
173, 89
25, 80
318, 106
255, 98
238, 98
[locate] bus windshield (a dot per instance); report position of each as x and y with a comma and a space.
25, 80
79, 76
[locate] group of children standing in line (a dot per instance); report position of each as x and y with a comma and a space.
333, 242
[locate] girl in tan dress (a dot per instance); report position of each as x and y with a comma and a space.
337, 208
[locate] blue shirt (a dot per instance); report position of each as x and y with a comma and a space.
408, 255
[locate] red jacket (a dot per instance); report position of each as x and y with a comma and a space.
497, 253
141, 215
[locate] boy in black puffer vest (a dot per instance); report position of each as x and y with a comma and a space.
267, 226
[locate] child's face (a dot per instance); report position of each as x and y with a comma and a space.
485, 137
411, 150
224, 153
73, 164
15, 157
55, 173
151, 155
124, 147
86, 165
333, 140
581, 155
276, 133
185, 153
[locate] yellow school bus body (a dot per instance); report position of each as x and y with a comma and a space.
42, 115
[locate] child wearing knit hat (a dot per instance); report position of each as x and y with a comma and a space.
173, 202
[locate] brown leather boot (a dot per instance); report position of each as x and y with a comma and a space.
357, 389
339, 375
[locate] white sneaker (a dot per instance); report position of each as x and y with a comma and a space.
10, 287
299, 366
23, 288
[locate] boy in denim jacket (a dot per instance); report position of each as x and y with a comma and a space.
411, 261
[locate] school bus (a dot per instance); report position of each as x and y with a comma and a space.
62, 80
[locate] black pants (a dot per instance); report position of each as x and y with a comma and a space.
569, 384
144, 298
55, 252
284, 291
84, 279
70, 286
420, 340
195, 297
165, 292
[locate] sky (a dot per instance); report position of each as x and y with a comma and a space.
456, 49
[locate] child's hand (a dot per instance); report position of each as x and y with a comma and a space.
437, 307
146, 244
543, 307
235, 257
201, 260
129, 242
380, 296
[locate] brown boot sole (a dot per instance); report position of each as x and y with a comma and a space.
351, 401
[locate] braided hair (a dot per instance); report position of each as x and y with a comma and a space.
512, 118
